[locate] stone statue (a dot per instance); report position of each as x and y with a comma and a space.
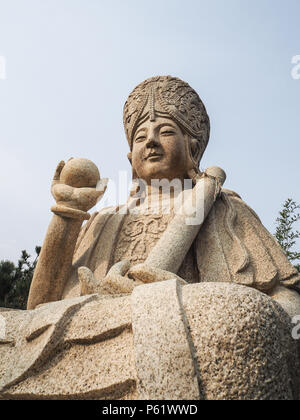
142, 305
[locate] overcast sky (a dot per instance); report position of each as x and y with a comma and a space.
70, 65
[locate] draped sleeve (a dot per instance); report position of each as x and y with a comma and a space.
234, 246
94, 248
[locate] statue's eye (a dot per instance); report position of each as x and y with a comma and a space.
140, 138
167, 132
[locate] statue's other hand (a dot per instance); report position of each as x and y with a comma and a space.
147, 274
121, 279
80, 198
117, 281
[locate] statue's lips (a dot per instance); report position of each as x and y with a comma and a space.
153, 156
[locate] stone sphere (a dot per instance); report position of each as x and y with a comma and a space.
79, 172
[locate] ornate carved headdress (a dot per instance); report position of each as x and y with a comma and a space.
167, 96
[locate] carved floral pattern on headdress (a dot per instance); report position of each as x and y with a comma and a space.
167, 95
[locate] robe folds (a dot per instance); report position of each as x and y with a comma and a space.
231, 246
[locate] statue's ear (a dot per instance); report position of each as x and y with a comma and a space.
194, 156
134, 174
129, 156
195, 150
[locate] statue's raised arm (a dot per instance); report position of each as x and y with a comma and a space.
74, 189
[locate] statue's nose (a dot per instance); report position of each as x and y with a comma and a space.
152, 141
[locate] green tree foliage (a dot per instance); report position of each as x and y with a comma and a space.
15, 281
7, 275
286, 233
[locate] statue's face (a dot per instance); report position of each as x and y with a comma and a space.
159, 150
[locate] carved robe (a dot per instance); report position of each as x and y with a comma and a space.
110, 347
232, 246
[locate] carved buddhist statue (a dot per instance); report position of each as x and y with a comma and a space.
138, 303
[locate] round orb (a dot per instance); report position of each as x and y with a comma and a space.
79, 172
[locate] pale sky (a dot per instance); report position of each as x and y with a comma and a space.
70, 65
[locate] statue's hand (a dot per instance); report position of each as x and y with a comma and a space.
80, 198
147, 274
121, 279
115, 282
